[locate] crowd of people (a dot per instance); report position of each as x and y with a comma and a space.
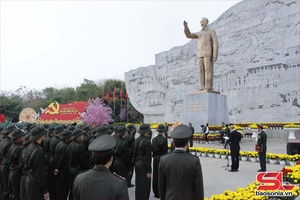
81, 162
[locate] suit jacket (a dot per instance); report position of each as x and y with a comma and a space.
207, 42
234, 140
99, 184
180, 177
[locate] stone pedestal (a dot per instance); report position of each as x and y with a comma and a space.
202, 108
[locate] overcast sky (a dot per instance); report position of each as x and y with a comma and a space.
59, 43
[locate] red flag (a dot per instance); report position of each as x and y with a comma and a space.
114, 94
102, 95
108, 96
121, 93
126, 96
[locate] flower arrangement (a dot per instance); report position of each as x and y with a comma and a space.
211, 150
244, 154
282, 156
291, 125
254, 126
293, 158
253, 154
272, 156
291, 174
248, 193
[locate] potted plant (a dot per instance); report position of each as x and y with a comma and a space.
291, 129
272, 157
253, 156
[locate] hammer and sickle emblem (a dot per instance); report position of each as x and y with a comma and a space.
52, 110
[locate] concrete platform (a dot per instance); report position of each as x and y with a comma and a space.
217, 179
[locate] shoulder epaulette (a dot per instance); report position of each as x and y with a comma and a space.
117, 175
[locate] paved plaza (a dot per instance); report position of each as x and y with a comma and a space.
217, 179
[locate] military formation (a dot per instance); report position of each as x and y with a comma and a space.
82, 162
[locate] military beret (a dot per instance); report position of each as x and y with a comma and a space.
161, 128
102, 130
122, 130
144, 128
66, 134
37, 132
76, 133
181, 132
9, 129
17, 133
102, 145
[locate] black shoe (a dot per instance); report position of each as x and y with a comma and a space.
130, 186
236, 170
260, 170
156, 196
231, 170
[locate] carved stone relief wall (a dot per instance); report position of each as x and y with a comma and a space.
258, 67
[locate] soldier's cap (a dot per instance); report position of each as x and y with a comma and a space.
66, 134
51, 129
26, 140
86, 128
122, 130
17, 133
102, 130
144, 128
161, 128
9, 129
131, 127
76, 133
37, 132
181, 132
71, 128
59, 129
103, 145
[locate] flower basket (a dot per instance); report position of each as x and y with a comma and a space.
244, 158
282, 162
253, 159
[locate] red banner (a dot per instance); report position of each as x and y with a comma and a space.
63, 113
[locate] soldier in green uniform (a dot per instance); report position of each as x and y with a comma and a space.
159, 148
179, 173
142, 157
131, 139
261, 147
98, 183
4, 146
121, 155
62, 165
78, 159
36, 186
13, 155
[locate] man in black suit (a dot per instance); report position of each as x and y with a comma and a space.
179, 173
234, 142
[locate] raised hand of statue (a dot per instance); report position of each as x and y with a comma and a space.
185, 24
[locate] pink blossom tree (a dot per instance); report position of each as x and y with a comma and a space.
123, 114
97, 113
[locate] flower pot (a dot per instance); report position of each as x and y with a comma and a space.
224, 156
211, 155
203, 154
292, 163
253, 159
282, 162
217, 155
244, 158
291, 133
273, 161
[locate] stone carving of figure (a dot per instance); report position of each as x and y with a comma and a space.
207, 52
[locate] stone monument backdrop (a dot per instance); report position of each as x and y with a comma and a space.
258, 67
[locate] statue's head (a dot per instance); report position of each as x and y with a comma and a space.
204, 22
